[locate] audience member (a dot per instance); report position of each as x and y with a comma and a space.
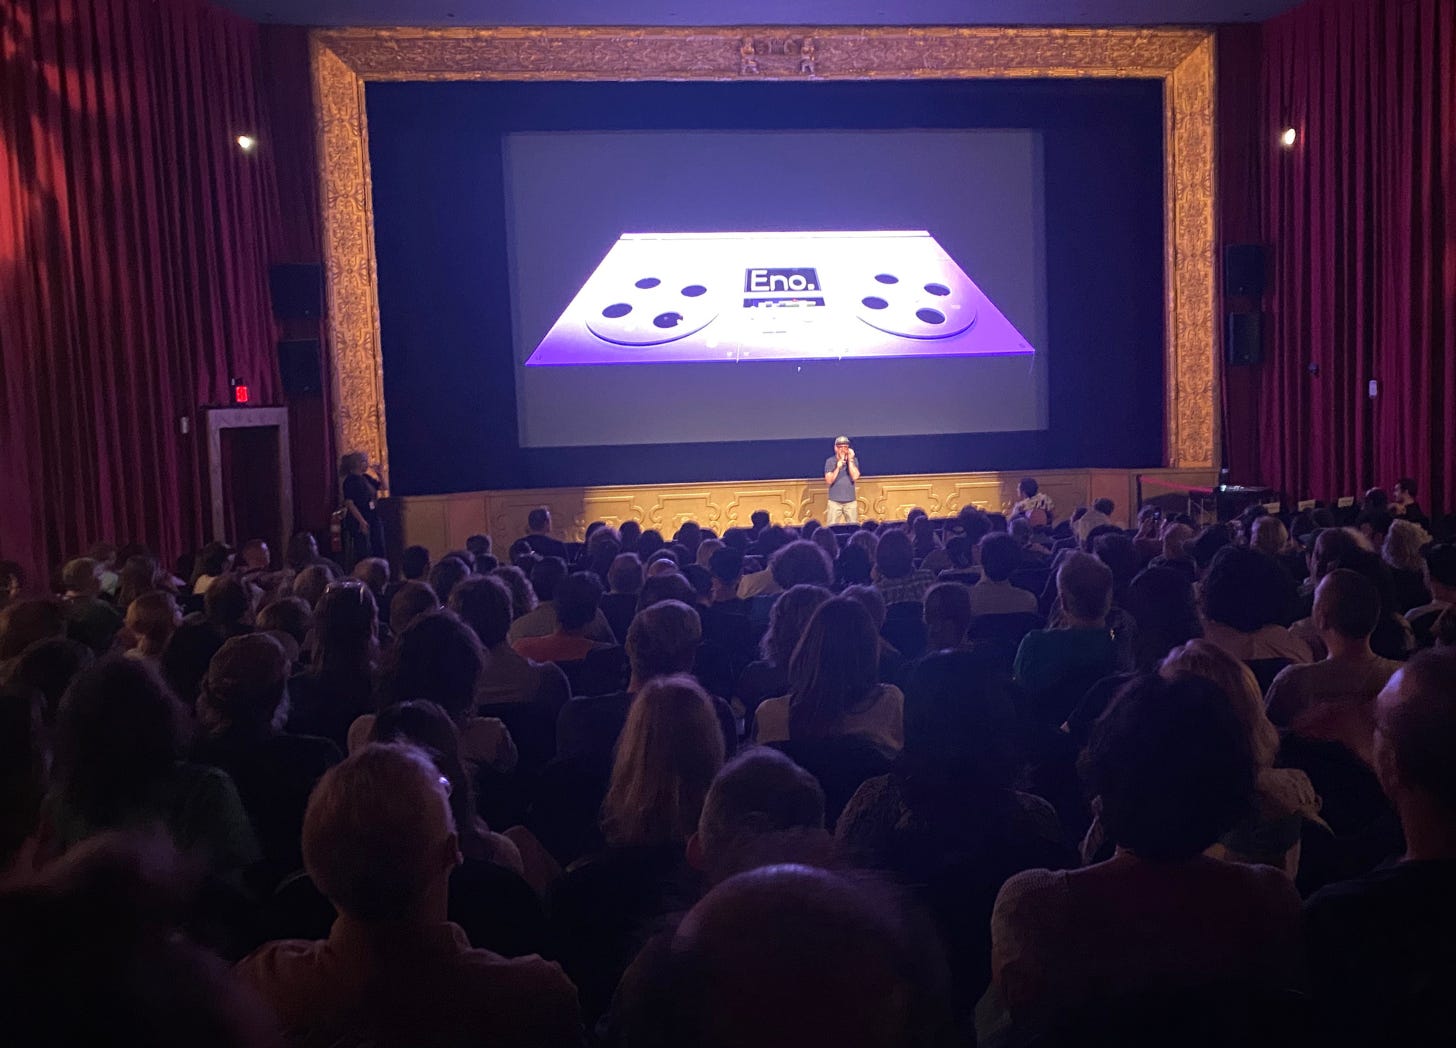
541, 621
89, 619
1285, 798
852, 972
577, 603
994, 594
1380, 945
607, 906
140, 574
624, 582
49, 667
379, 841
947, 821
834, 684
150, 621
120, 764
769, 674
288, 617
947, 614
539, 537
1403, 502
1333, 699
214, 561
1173, 771
439, 659
726, 566
411, 600
1402, 552
825, 539
485, 606
1441, 575
523, 597
1033, 503
895, 573
227, 607
310, 583
241, 711
1056, 666
1175, 555
23, 623
448, 573
1247, 600
762, 809
339, 686
855, 564
414, 565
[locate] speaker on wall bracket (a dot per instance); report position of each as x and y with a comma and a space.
298, 366
1243, 270
1243, 339
297, 291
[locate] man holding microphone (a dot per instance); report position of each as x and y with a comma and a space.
840, 473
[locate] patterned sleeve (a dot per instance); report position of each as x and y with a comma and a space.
866, 827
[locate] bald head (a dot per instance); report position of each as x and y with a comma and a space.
1415, 733
378, 837
823, 958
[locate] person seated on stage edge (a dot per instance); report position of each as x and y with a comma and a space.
841, 471
1034, 504
539, 537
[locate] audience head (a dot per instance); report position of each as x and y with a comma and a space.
1403, 544
1207, 544
1375, 500
1441, 568
82, 577
758, 519
701, 580
1120, 555
302, 550
827, 540
848, 972
310, 583
415, 563
648, 543
1027, 487
855, 564
288, 616
787, 620
214, 559
255, 555
577, 599
1176, 538
448, 573
1405, 488
119, 732
671, 585
1020, 530
186, 657
523, 597
801, 563
48, 667
546, 576
1104, 506
1415, 735
663, 640
152, 618
538, 521
1084, 587
429, 729
138, 576
1346, 605
228, 604
703, 558
625, 574
662, 563
1246, 590
1172, 766
27, 621
667, 756
478, 545
245, 685
346, 631
378, 836
409, 602
629, 531
1374, 524
1000, 556
1162, 605
895, 555
761, 808
1236, 682
688, 535
872, 600
1334, 546
947, 614
374, 573
834, 670
960, 730
1269, 536
437, 659
726, 565
484, 604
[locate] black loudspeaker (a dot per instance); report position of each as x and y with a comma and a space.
1243, 270
297, 290
298, 364
1243, 338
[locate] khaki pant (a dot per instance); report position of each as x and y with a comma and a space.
842, 513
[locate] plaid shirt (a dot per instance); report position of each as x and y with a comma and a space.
910, 587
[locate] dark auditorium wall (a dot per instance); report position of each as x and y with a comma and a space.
135, 238
1360, 216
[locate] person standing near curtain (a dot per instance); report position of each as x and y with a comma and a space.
364, 534
840, 473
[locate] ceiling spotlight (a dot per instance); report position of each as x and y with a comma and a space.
246, 143
1287, 137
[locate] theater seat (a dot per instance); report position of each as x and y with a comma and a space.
905, 628
841, 764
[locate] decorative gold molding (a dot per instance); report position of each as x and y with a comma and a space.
344, 59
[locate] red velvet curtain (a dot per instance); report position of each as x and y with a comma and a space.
1360, 219
135, 237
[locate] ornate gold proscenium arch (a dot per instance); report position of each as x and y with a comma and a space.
343, 59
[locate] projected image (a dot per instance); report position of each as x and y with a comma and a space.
661, 298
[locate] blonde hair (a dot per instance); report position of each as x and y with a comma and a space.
349, 462
1269, 535
1199, 658
667, 756
1403, 544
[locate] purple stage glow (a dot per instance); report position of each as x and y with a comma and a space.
698, 297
